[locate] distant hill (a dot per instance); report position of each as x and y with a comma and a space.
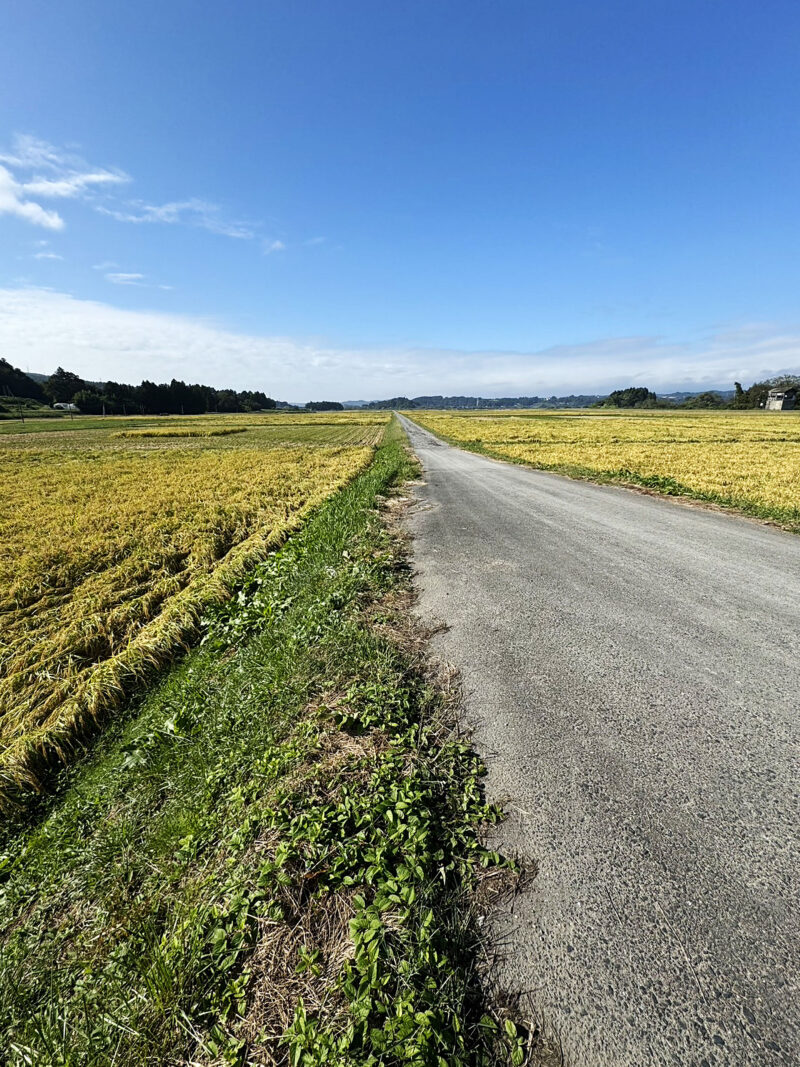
463, 403
14, 382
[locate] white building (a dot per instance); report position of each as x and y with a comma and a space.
781, 400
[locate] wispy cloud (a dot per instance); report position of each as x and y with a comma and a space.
71, 186
192, 212
312, 241
33, 170
47, 255
14, 202
273, 246
32, 153
42, 328
125, 278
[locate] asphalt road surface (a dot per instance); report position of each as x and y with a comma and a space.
631, 668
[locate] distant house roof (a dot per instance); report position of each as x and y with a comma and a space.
790, 391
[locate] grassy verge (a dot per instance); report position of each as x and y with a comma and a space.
267, 862
664, 485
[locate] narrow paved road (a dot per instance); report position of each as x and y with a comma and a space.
631, 671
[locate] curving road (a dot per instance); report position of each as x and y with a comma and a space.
631, 670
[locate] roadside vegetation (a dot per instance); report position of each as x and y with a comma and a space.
747, 461
266, 859
111, 549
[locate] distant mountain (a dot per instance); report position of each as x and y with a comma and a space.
678, 398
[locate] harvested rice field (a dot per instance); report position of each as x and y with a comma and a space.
114, 540
745, 460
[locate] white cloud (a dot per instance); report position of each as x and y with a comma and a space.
13, 202
124, 278
35, 169
72, 185
314, 241
273, 246
118, 277
29, 152
41, 329
47, 255
192, 212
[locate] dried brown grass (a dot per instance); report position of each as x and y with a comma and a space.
314, 924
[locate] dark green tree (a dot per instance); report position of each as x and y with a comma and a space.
633, 397
90, 402
708, 399
62, 386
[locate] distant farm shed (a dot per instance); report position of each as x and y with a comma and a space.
781, 399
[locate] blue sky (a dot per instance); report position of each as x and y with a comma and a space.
352, 199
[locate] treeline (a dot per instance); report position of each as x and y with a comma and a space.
118, 398
178, 398
632, 397
754, 397
440, 403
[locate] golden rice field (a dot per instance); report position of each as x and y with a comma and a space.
114, 542
747, 460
